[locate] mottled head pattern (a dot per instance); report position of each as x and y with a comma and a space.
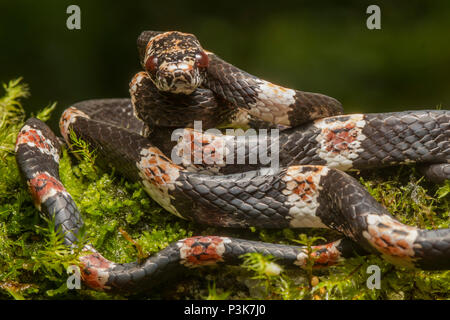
175, 62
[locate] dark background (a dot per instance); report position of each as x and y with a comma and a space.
319, 46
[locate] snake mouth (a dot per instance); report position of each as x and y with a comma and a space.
178, 81
180, 86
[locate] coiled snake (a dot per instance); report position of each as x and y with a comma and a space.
183, 83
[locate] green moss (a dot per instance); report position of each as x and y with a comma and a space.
33, 260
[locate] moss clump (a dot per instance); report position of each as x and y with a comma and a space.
33, 260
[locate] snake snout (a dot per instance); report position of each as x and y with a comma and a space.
181, 78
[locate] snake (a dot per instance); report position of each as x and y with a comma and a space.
314, 142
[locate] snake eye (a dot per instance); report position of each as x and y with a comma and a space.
151, 64
201, 60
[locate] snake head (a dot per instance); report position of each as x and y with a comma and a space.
175, 62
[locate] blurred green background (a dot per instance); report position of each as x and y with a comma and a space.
319, 46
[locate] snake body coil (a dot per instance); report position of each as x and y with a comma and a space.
183, 83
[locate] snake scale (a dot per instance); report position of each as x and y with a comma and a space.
182, 83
